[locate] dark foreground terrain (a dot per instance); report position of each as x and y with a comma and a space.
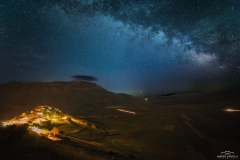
18, 143
178, 126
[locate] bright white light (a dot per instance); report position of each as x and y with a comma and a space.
37, 130
232, 110
38, 120
122, 110
10, 122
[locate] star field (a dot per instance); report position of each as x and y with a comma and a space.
136, 47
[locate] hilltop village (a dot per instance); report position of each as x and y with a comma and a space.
42, 120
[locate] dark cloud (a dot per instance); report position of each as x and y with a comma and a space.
84, 78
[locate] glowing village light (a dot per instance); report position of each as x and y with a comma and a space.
10, 122
48, 111
36, 130
53, 138
40, 113
36, 117
38, 120
65, 117
23, 120
4, 123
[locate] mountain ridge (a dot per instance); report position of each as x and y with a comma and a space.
68, 96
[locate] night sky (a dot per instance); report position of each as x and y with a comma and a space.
137, 47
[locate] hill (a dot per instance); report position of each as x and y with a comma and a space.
68, 96
48, 121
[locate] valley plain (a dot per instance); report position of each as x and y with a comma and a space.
185, 126
177, 126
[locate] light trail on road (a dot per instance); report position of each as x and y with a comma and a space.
232, 110
122, 110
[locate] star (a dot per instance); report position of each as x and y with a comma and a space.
125, 46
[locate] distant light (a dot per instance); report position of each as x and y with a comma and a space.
122, 110
232, 110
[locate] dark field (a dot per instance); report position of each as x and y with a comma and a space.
184, 126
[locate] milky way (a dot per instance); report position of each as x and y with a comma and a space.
131, 46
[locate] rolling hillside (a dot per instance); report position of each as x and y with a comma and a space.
68, 96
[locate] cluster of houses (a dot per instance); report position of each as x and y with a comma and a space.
37, 118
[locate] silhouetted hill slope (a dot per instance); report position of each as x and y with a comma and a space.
67, 96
